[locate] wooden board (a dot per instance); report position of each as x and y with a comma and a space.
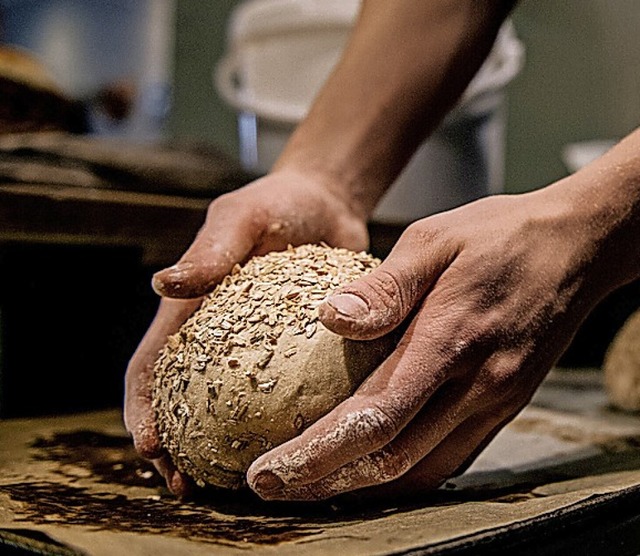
73, 485
65, 188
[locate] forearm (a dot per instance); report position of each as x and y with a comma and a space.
406, 65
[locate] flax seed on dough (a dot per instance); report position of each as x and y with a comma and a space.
254, 366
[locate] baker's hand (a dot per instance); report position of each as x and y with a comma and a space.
280, 209
266, 215
494, 292
139, 416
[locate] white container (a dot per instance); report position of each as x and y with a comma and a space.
280, 52
578, 155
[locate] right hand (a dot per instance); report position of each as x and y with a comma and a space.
489, 296
269, 214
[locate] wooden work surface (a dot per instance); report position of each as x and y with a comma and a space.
73, 485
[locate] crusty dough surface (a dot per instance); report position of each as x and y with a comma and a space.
253, 367
622, 366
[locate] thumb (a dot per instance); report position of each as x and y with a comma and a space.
376, 304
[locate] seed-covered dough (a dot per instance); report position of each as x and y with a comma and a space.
253, 367
622, 366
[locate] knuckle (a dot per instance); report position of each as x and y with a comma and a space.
426, 232
222, 202
216, 206
232, 206
388, 290
377, 427
501, 381
418, 231
390, 463
496, 383
465, 346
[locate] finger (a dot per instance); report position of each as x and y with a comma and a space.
227, 237
373, 416
471, 457
177, 483
377, 303
450, 406
454, 404
139, 416
349, 233
449, 459
444, 461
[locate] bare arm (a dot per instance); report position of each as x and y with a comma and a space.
406, 65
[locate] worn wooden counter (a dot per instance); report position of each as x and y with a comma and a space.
161, 226
64, 188
564, 474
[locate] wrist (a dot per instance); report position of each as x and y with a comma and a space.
386, 95
598, 210
296, 168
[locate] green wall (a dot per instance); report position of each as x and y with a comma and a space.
198, 112
581, 81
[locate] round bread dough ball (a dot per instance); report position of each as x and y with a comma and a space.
253, 367
622, 366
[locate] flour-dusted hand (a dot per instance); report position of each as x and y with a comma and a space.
283, 208
267, 215
139, 416
492, 293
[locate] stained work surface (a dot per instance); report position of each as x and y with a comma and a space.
74, 485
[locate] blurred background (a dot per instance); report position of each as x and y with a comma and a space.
580, 80
78, 251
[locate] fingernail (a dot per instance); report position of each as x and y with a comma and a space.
172, 276
176, 272
266, 482
180, 487
349, 305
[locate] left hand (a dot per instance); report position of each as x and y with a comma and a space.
139, 415
495, 291
281, 208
